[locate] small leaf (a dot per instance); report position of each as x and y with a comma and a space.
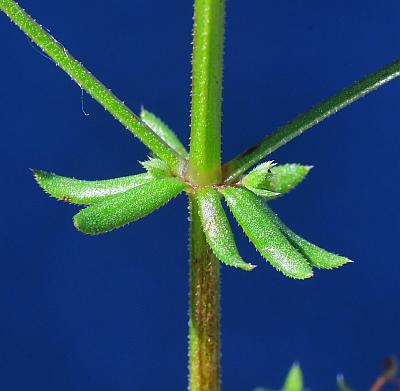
285, 177
342, 385
123, 208
163, 131
157, 168
315, 255
217, 230
294, 379
251, 214
266, 194
256, 177
86, 192
270, 181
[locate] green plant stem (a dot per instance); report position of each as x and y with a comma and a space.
89, 83
204, 310
208, 48
237, 166
204, 169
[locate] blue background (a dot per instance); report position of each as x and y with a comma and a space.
110, 312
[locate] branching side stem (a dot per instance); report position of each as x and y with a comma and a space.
89, 83
237, 166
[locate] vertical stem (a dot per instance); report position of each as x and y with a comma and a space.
205, 169
204, 310
208, 50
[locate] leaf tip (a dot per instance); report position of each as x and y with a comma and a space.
81, 228
40, 177
36, 172
78, 226
295, 366
249, 267
301, 276
76, 223
310, 274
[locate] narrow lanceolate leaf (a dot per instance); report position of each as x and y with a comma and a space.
86, 192
315, 255
317, 114
294, 379
89, 83
164, 132
123, 208
250, 213
285, 177
217, 230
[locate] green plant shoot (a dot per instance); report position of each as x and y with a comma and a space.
171, 170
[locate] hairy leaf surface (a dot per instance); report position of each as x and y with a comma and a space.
266, 194
157, 168
315, 255
123, 208
285, 177
256, 177
269, 180
163, 131
217, 230
86, 192
251, 214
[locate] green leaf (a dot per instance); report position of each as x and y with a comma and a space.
315, 255
237, 166
257, 176
123, 208
266, 194
270, 181
217, 230
342, 385
164, 132
251, 214
156, 168
294, 379
285, 177
86, 192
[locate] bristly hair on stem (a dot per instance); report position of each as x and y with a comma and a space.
207, 70
171, 170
